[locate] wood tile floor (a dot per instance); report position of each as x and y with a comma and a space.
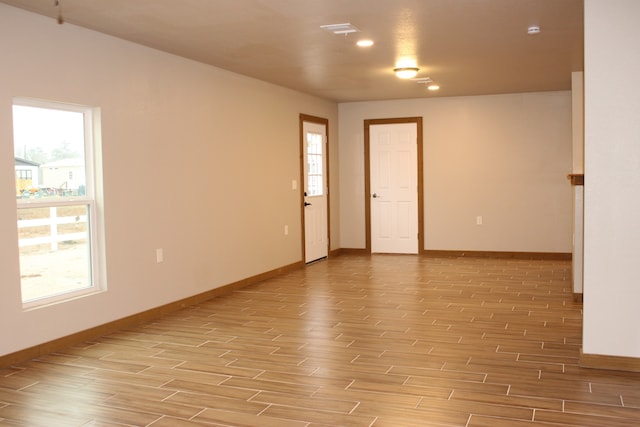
353, 341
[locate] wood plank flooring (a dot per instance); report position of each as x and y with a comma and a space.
353, 341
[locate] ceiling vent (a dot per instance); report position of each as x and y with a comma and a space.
340, 28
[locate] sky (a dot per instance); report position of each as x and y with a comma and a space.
48, 129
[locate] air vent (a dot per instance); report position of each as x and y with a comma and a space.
340, 28
423, 80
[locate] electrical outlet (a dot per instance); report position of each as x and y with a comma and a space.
479, 220
159, 255
286, 230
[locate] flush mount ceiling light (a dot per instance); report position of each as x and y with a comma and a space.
433, 87
345, 28
406, 72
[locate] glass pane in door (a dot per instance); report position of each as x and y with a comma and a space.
314, 165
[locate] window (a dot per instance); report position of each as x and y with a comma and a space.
24, 174
315, 168
57, 212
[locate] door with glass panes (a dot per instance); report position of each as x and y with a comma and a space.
315, 191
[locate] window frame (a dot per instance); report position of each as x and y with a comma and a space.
91, 118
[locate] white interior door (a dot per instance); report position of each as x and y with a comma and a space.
393, 151
316, 236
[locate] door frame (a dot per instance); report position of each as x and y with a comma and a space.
367, 176
321, 121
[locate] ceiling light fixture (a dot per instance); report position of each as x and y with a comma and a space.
433, 87
532, 30
406, 72
365, 43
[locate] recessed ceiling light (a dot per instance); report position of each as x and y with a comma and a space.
365, 43
433, 87
532, 30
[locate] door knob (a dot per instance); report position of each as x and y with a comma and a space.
307, 204
375, 195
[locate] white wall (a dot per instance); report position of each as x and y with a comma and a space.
612, 178
502, 157
197, 161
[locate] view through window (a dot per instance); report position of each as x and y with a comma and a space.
314, 165
53, 146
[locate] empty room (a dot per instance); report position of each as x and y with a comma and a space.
319, 213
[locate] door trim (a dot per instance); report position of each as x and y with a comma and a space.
322, 121
367, 176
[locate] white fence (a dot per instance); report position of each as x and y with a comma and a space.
54, 238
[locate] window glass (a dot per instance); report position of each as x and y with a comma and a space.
54, 251
315, 167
